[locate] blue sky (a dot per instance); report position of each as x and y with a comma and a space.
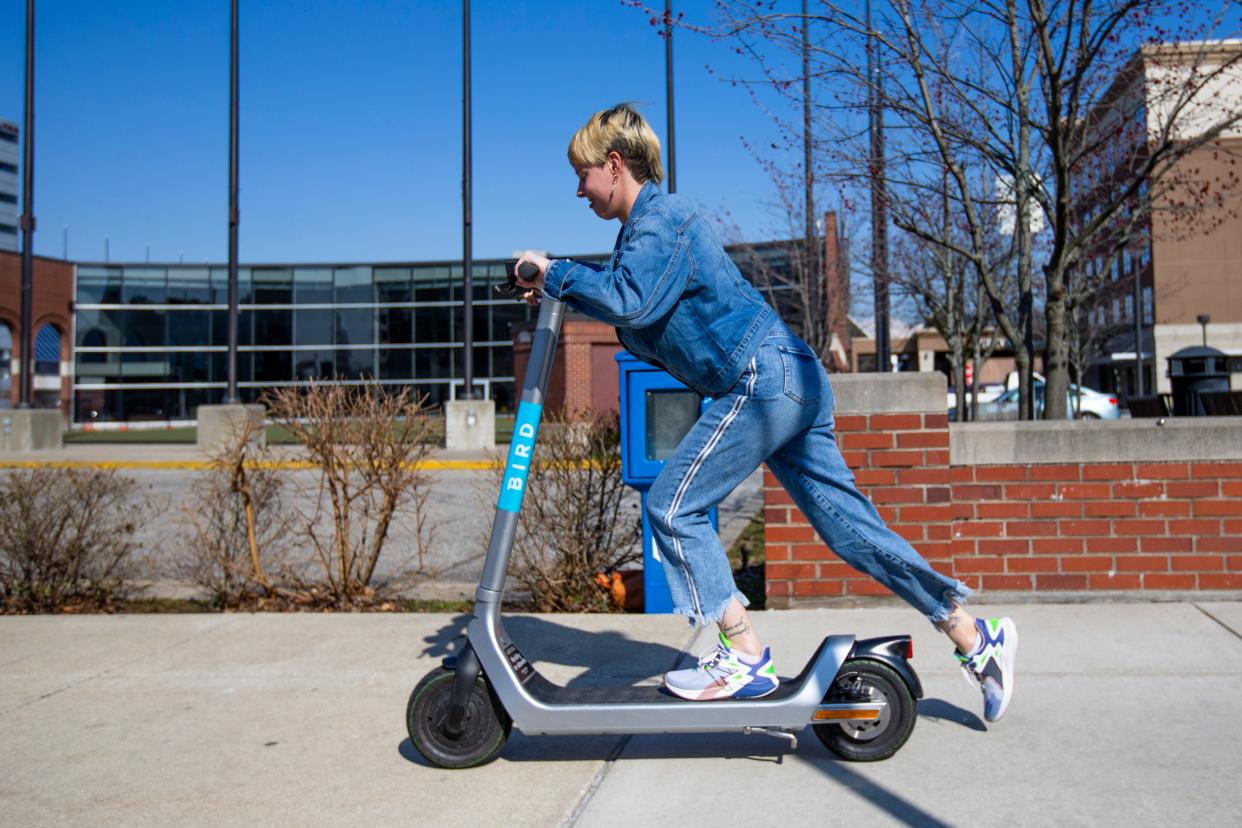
351, 125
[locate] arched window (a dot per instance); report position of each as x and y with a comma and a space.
6, 366
47, 351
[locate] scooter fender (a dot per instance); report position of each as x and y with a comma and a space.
890, 650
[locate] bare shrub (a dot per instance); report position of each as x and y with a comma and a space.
66, 538
240, 522
575, 525
366, 441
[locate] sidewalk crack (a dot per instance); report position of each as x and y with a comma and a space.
1230, 629
614, 754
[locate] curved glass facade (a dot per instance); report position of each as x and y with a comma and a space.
151, 341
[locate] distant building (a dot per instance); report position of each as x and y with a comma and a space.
1177, 265
9, 152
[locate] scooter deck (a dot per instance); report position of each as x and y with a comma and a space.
555, 694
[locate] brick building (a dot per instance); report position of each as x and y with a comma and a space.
52, 302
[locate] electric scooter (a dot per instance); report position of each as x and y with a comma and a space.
858, 696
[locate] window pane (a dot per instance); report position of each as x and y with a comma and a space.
355, 326
504, 316
273, 366
433, 325
396, 325
189, 328
99, 285
432, 284
99, 328
189, 366
312, 327
145, 286
353, 284
189, 285
142, 328
396, 364
392, 284
272, 286
220, 330
313, 364
273, 327
311, 284
433, 363
354, 364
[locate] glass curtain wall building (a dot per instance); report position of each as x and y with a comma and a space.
151, 340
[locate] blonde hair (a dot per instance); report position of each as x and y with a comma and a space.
623, 130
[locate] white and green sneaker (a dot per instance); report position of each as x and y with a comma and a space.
725, 673
991, 664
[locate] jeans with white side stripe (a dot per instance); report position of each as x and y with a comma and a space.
780, 411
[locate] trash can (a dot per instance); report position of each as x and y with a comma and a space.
656, 412
1193, 371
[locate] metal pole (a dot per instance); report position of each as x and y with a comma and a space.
467, 220
231, 397
668, 95
28, 220
879, 213
815, 277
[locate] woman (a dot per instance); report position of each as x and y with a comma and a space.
679, 303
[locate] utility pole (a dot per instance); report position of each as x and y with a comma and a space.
668, 95
467, 219
28, 220
879, 211
231, 397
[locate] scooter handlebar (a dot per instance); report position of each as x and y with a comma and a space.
511, 288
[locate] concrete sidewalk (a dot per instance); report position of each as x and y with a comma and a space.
1123, 714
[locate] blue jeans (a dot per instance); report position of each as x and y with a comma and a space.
780, 411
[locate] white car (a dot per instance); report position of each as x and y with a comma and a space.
1096, 405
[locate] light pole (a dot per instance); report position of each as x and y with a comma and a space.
28, 220
467, 219
668, 95
231, 397
879, 212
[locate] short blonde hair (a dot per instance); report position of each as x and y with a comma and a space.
623, 130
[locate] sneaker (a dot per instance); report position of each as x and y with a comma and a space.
990, 664
725, 673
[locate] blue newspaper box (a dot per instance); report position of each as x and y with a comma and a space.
656, 412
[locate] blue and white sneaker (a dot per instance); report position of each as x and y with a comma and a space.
725, 673
990, 664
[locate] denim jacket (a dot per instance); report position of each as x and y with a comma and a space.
675, 297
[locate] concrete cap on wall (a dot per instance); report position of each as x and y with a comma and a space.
890, 393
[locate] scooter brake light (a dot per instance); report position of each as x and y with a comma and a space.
909, 648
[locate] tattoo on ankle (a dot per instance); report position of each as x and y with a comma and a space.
949, 623
735, 630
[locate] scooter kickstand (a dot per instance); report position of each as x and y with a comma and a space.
780, 734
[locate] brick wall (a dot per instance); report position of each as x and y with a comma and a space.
574, 387
1002, 507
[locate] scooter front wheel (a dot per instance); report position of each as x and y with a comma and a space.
484, 730
862, 680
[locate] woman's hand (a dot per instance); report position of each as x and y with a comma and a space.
535, 285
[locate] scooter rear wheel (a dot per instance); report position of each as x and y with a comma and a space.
484, 731
864, 680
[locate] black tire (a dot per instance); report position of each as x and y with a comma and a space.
1088, 415
486, 726
865, 680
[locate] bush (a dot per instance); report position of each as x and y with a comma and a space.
574, 523
240, 524
367, 441
66, 538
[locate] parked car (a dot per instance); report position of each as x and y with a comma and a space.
1096, 405
986, 393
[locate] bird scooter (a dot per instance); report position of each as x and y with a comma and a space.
859, 696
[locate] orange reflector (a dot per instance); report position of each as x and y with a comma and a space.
821, 715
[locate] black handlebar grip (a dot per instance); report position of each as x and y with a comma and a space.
510, 287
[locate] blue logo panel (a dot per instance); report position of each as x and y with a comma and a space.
521, 447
